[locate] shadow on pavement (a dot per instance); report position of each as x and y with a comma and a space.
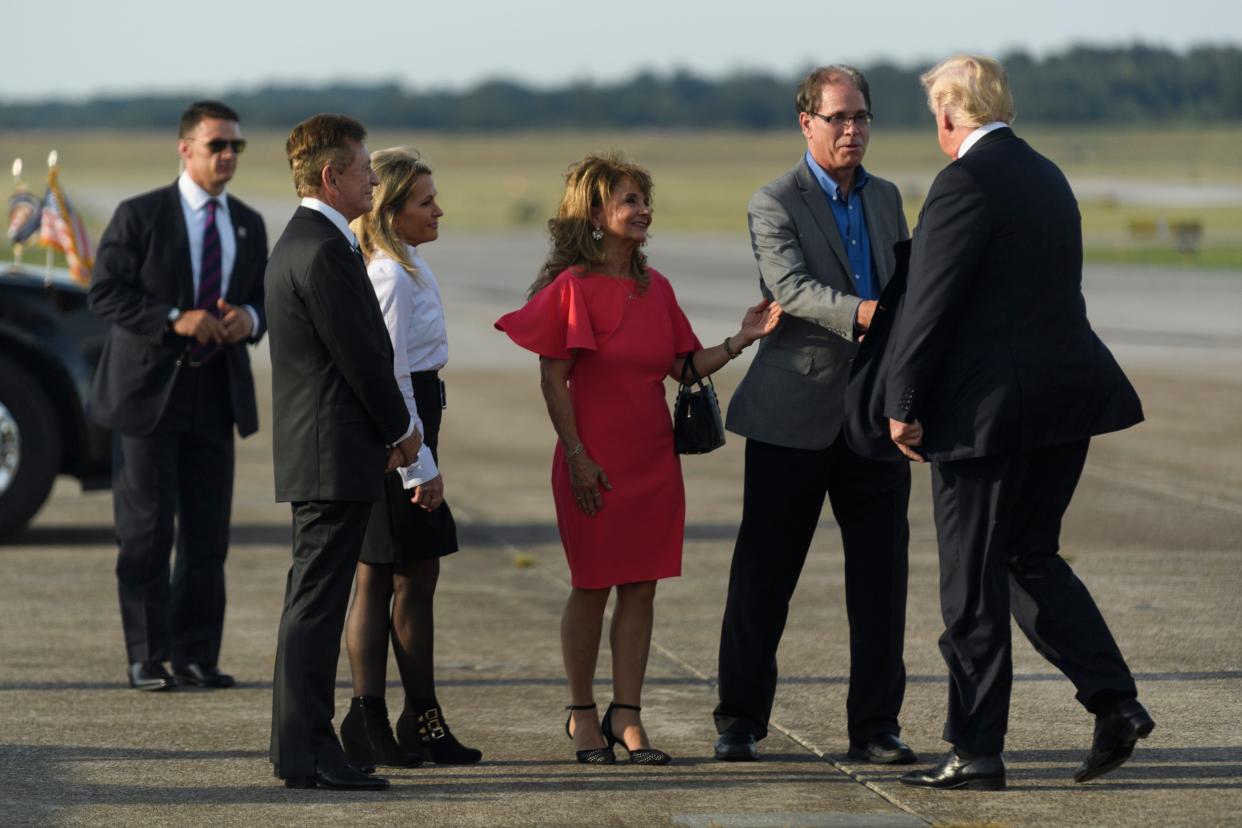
604, 681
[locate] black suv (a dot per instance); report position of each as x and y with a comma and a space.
49, 347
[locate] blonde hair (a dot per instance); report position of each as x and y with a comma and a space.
321, 141
972, 88
397, 169
589, 184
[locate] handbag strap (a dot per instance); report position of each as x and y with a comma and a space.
688, 367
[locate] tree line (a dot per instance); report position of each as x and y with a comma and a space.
1081, 85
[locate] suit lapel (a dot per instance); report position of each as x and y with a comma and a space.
179, 264
817, 203
238, 279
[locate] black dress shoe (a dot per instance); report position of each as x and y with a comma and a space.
344, 778
982, 773
883, 749
737, 747
150, 675
1115, 734
196, 675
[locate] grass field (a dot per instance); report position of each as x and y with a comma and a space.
704, 178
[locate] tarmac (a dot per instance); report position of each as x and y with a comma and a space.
1155, 532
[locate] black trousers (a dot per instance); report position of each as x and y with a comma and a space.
784, 495
998, 524
327, 537
181, 474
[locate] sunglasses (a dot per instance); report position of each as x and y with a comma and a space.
218, 145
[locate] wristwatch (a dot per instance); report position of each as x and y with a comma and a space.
173, 316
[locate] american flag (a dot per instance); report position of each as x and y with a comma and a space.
62, 229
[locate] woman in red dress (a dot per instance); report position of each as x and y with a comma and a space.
608, 330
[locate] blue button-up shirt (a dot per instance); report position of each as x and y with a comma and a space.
852, 222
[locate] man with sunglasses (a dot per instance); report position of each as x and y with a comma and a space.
179, 275
823, 237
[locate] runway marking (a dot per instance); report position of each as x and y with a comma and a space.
542, 572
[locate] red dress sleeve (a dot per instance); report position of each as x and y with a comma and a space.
684, 340
553, 321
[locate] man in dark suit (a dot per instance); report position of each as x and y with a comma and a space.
997, 378
180, 276
823, 237
339, 422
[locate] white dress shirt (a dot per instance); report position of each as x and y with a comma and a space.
334, 215
414, 314
194, 207
973, 138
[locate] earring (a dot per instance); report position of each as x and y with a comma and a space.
597, 234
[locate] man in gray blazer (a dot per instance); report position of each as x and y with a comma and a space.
823, 237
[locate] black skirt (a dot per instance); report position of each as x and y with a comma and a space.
400, 531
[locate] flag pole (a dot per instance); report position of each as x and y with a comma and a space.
19, 186
52, 158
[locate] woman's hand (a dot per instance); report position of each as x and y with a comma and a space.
759, 321
587, 479
429, 495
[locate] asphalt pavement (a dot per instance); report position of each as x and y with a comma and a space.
1155, 532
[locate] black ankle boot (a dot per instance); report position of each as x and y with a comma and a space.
367, 736
422, 726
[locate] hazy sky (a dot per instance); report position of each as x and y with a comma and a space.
97, 46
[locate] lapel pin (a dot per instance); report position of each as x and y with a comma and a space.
241, 232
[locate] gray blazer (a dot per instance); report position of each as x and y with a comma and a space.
794, 392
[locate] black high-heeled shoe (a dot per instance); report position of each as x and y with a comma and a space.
638, 756
590, 756
367, 737
422, 727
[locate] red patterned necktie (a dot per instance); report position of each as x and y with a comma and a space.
209, 281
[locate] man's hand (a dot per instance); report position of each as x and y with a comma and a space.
201, 325
409, 447
866, 310
905, 435
395, 459
237, 322
429, 495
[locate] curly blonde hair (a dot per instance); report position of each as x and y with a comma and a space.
398, 170
589, 184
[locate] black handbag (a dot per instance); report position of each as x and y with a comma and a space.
697, 427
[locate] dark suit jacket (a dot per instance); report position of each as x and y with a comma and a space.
335, 402
993, 351
793, 393
142, 271
866, 427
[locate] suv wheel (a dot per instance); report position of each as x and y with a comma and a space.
29, 446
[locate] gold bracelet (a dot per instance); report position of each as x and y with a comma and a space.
574, 452
729, 349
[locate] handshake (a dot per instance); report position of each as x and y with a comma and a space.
405, 453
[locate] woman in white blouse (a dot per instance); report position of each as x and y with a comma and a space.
413, 527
